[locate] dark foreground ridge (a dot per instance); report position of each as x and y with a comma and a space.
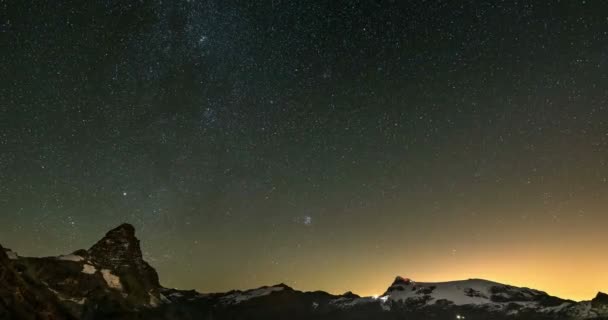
111, 280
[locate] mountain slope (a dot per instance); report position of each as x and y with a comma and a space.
478, 292
112, 281
22, 299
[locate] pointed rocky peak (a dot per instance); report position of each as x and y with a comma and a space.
350, 295
124, 234
119, 244
600, 300
120, 252
399, 284
402, 281
125, 231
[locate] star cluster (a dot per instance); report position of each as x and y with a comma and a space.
327, 145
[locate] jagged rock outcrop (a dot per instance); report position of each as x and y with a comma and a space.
120, 252
600, 300
402, 281
111, 280
350, 295
399, 284
21, 299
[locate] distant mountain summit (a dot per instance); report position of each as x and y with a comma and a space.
400, 281
120, 251
118, 247
111, 280
600, 301
473, 292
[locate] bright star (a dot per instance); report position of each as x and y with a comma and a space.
307, 220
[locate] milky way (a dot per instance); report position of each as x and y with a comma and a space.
327, 146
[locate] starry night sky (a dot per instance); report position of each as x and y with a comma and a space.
325, 144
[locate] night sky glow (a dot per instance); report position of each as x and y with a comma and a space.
325, 144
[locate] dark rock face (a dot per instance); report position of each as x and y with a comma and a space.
112, 281
600, 300
394, 288
402, 281
109, 281
425, 290
473, 293
400, 284
512, 294
350, 295
120, 251
21, 299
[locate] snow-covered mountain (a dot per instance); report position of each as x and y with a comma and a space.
474, 292
112, 281
475, 298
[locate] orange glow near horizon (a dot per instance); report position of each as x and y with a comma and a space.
557, 275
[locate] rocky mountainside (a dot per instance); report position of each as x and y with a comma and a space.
112, 281
23, 299
119, 250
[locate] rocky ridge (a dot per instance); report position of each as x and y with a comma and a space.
111, 280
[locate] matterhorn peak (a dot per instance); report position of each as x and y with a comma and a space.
124, 234
119, 250
124, 231
118, 246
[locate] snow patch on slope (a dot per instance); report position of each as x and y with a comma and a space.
12, 255
464, 292
80, 301
155, 302
70, 257
346, 302
479, 291
349, 302
88, 269
238, 297
557, 308
112, 280
61, 297
585, 310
